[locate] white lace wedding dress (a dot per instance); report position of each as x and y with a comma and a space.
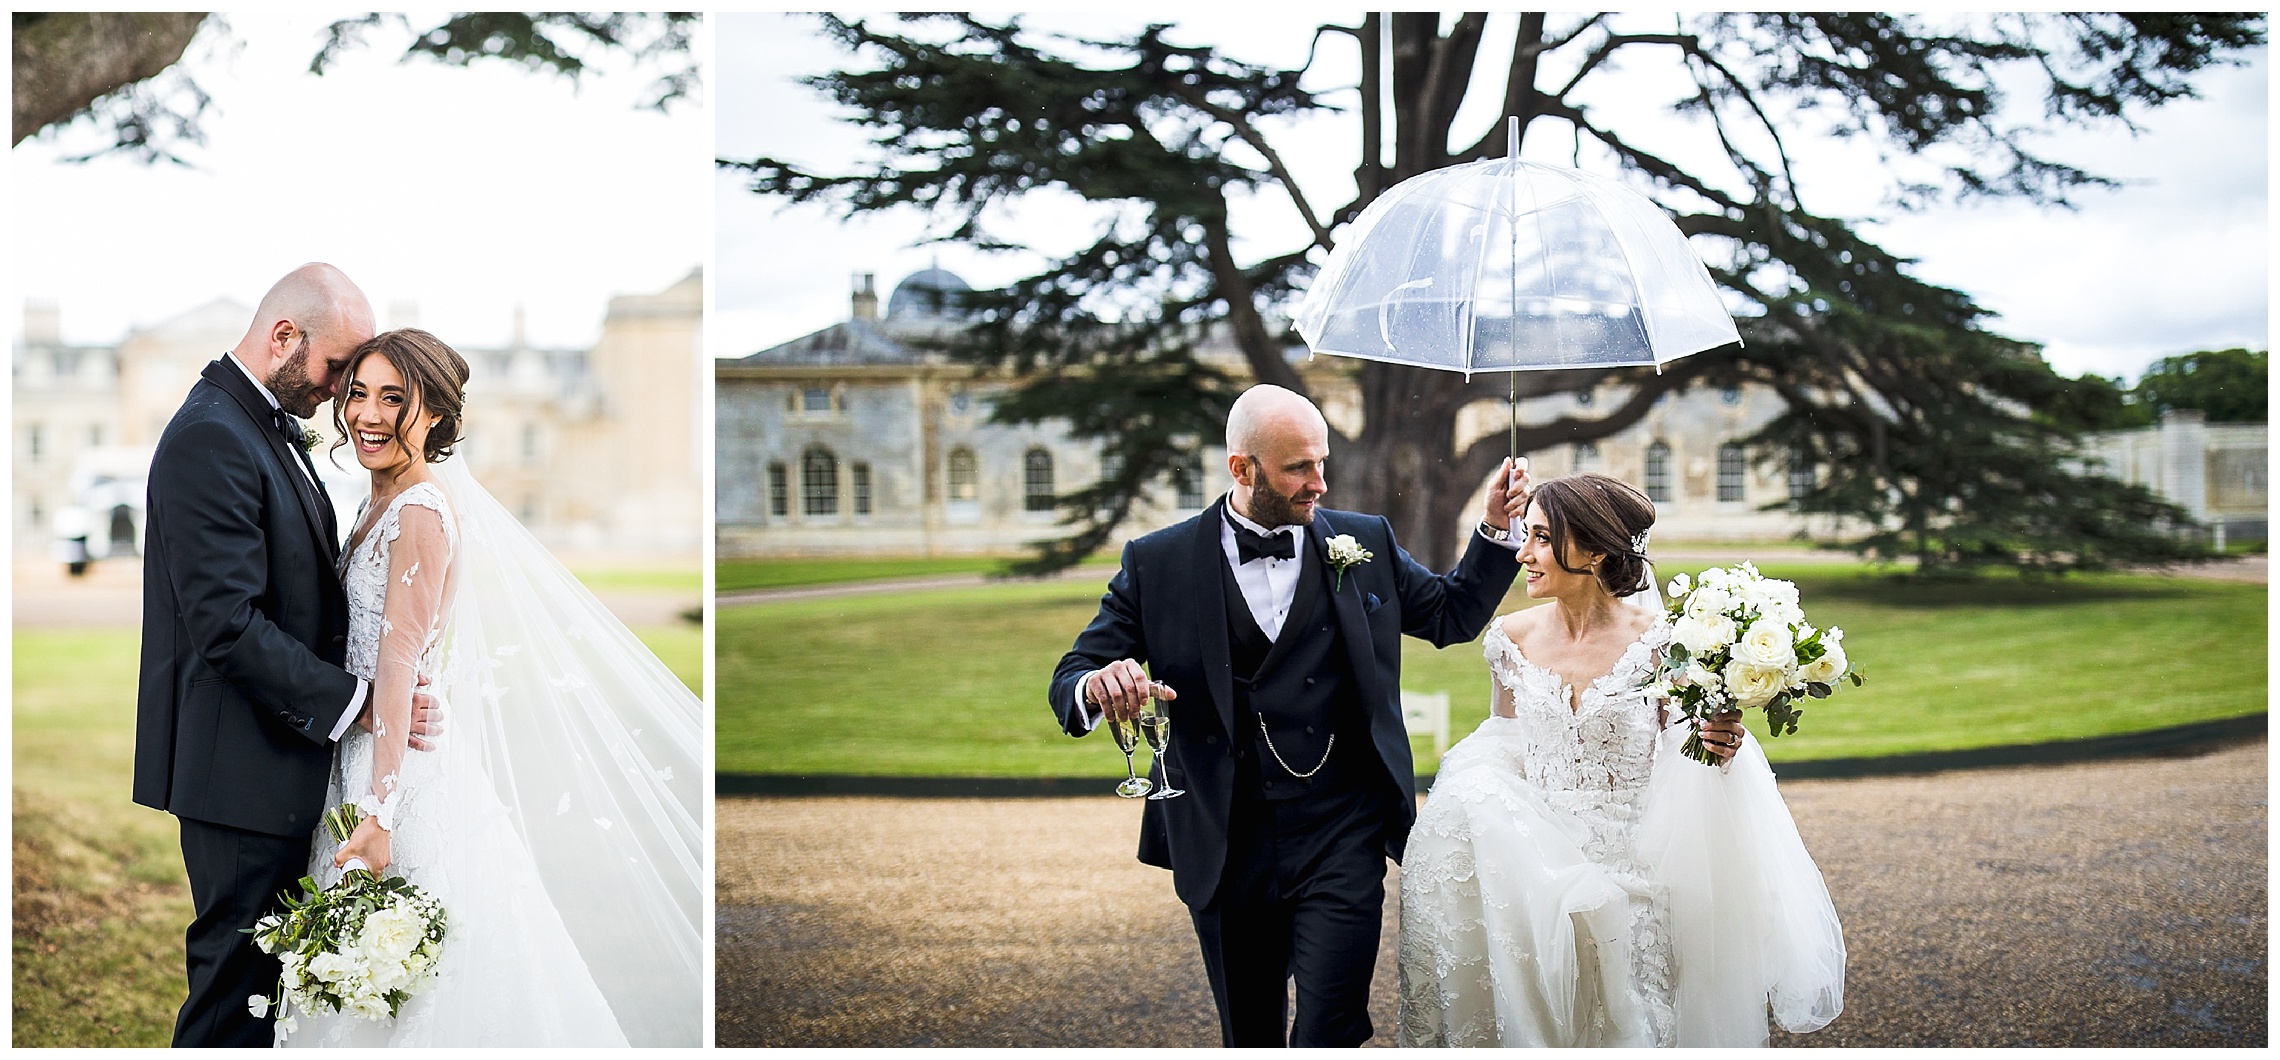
1573, 880
510, 974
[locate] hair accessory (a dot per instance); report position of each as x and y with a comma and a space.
1639, 543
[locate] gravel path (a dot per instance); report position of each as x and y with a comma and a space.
2107, 903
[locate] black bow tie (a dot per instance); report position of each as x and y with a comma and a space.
288, 428
1251, 545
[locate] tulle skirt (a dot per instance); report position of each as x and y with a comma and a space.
510, 974
1512, 936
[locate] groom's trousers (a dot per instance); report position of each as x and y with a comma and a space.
235, 877
1300, 904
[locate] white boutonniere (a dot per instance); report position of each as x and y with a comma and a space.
1344, 553
310, 440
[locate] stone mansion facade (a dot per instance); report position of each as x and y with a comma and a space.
596, 450
855, 440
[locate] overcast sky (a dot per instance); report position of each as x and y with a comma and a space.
468, 191
2172, 262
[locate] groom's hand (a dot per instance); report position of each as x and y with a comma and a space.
427, 719
1121, 690
1507, 493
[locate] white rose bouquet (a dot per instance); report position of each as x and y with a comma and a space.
363, 946
1739, 642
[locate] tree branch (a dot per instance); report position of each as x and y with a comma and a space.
1196, 98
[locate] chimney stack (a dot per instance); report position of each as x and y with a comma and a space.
43, 321
866, 296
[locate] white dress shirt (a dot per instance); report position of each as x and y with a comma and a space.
355, 702
273, 405
1269, 583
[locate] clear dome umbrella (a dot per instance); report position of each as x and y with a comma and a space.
1505, 265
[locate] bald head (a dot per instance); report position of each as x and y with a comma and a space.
302, 333
1267, 411
1278, 448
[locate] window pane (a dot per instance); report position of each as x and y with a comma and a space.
861, 474
965, 476
1658, 473
1037, 481
1586, 458
1732, 464
815, 399
819, 483
1800, 476
1187, 479
779, 493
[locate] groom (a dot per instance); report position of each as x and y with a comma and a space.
1278, 653
242, 693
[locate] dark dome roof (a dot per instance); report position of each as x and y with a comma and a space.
928, 293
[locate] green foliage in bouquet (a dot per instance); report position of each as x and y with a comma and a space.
1740, 642
364, 946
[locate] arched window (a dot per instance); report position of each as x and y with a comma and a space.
819, 482
1658, 473
965, 476
1586, 458
1037, 481
1733, 464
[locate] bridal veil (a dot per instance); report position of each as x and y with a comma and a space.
598, 753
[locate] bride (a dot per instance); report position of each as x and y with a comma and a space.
559, 824
1573, 880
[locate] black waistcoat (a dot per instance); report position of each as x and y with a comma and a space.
1302, 687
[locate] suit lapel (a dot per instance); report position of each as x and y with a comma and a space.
313, 506
1210, 596
1353, 623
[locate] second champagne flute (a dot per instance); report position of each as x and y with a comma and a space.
1156, 728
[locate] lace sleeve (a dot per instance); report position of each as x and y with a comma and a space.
419, 557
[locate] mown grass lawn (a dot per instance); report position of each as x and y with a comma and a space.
952, 682
737, 575
100, 900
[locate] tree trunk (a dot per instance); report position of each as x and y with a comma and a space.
1403, 465
65, 62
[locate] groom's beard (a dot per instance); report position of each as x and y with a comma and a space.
1270, 509
289, 383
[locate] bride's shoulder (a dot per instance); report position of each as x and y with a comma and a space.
422, 508
1515, 625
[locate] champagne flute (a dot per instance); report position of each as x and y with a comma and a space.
1134, 785
1156, 728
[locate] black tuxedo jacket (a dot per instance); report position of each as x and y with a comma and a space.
245, 626
1166, 609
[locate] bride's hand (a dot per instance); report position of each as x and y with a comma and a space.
1722, 734
370, 842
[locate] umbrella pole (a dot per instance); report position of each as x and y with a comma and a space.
1512, 377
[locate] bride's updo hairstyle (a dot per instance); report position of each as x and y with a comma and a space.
1599, 514
433, 370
